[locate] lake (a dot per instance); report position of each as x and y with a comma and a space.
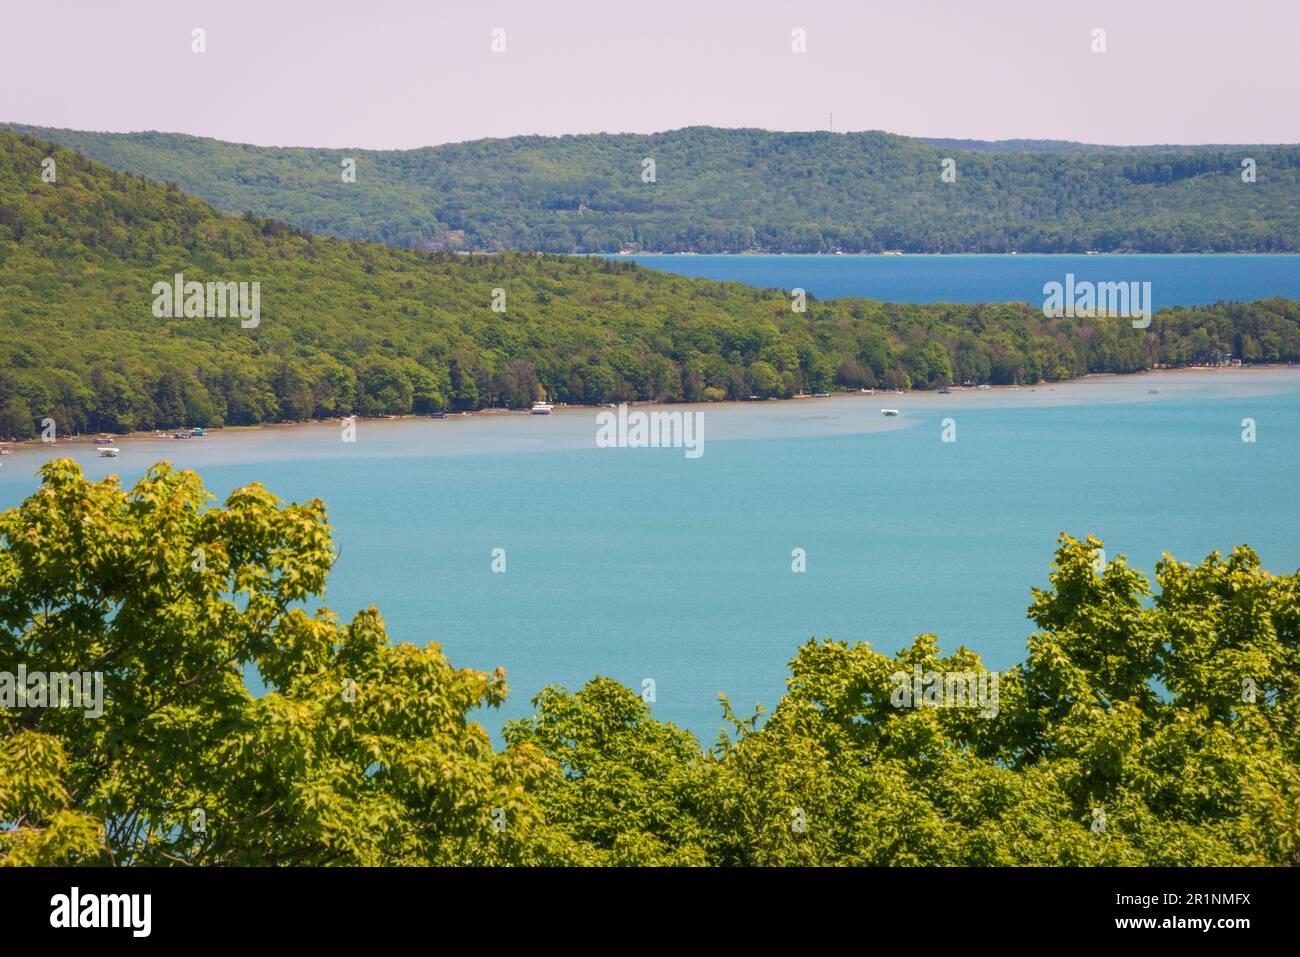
643, 563
1175, 280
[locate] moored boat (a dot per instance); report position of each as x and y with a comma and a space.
889, 412
108, 451
542, 408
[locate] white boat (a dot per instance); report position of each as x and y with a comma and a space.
542, 408
108, 451
889, 412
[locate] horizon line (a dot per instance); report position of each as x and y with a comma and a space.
955, 141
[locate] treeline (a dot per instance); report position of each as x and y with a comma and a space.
350, 328
716, 190
1141, 729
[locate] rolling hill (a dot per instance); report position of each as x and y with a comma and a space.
718, 190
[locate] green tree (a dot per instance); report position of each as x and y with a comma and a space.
359, 752
464, 386
928, 364
16, 420
765, 380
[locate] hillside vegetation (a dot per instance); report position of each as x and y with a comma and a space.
719, 190
349, 327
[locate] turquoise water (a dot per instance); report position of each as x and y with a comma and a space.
1175, 280
641, 563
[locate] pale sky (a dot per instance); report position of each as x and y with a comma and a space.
389, 74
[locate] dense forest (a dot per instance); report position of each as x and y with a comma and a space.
717, 190
365, 752
370, 329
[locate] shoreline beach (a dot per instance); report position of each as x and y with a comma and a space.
1080, 389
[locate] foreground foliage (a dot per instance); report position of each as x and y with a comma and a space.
1172, 720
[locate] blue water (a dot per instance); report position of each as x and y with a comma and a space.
640, 563
1175, 280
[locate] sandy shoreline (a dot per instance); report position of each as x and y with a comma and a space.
733, 404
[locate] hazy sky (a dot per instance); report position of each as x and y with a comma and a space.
404, 73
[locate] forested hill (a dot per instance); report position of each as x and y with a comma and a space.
350, 327
717, 190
